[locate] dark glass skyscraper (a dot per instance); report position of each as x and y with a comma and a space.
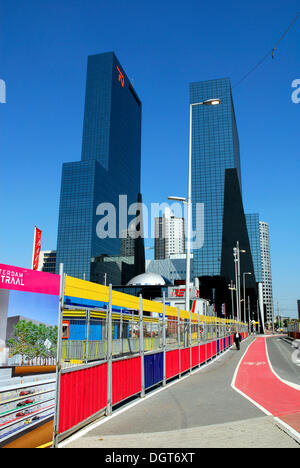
110, 166
252, 220
215, 147
216, 183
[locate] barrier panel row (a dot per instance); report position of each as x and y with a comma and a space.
108, 353
294, 330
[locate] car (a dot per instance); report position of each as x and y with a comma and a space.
26, 392
28, 402
20, 414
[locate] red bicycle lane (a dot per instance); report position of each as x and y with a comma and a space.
255, 379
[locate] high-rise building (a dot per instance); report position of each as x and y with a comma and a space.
128, 243
169, 235
266, 270
253, 227
47, 261
90, 216
216, 183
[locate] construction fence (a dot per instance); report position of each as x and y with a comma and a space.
113, 346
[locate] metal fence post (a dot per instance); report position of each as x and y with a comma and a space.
190, 332
121, 330
59, 355
142, 353
205, 328
164, 339
88, 316
109, 354
199, 340
178, 333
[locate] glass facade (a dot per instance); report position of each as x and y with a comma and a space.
252, 221
215, 148
110, 166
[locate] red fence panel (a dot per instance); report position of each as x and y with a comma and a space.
202, 353
213, 348
172, 363
126, 379
208, 351
195, 356
185, 359
82, 394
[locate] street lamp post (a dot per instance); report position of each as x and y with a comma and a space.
244, 284
237, 264
188, 200
232, 288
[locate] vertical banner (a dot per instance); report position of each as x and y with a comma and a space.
36, 248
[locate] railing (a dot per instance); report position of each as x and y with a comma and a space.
25, 406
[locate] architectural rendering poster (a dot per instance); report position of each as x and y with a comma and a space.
29, 306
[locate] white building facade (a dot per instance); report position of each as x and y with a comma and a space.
169, 235
266, 270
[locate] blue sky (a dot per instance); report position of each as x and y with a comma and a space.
40, 307
163, 46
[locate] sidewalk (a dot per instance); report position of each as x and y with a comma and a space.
252, 433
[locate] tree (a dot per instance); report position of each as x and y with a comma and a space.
33, 341
22, 341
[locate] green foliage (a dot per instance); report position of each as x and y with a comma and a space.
31, 341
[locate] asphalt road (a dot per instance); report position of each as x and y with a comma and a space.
281, 353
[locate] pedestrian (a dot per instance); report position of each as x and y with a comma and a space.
237, 339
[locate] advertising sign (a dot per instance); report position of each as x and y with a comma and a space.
29, 310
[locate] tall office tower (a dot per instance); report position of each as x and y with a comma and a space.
216, 183
169, 235
253, 227
266, 270
90, 217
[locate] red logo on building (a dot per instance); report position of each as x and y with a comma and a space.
121, 77
178, 292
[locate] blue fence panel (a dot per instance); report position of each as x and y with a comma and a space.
153, 369
224, 343
218, 346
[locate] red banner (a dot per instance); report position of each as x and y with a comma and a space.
36, 248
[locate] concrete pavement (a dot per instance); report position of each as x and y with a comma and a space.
261, 432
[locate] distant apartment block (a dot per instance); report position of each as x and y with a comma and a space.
47, 261
169, 235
